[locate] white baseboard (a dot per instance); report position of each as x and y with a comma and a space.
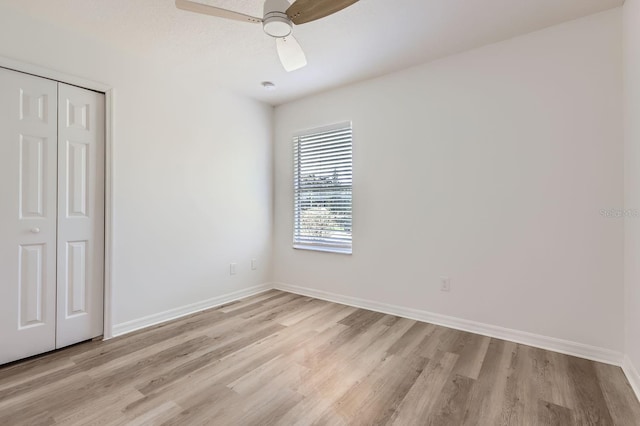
550, 343
632, 375
171, 314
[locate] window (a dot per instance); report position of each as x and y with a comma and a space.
323, 184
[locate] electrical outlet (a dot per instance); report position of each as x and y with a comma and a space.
445, 284
232, 269
254, 264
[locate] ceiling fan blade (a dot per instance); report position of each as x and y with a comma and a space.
291, 54
303, 11
205, 9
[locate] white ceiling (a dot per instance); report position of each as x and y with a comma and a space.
368, 39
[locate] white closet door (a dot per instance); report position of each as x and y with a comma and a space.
28, 135
80, 214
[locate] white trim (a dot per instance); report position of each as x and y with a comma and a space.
108, 216
73, 80
324, 129
175, 313
324, 249
39, 71
549, 343
632, 375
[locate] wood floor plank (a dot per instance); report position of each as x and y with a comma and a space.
550, 375
441, 340
472, 356
148, 366
234, 366
345, 345
154, 415
286, 359
277, 371
487, 393
34, 408
408, 343
228, 307
213, 402
617, 392
361, 318
16, 378
376, 398
312, 308
267, 408
119, 348
272, 312
325, 318
107, 368
342, 365
277, 299
419, 403
39, 381
550, 414
206, 358
97, 411
449, 409
591, 407
515, 397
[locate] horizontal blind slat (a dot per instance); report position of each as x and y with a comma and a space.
322, 137
323, 144
323, 171
326, 159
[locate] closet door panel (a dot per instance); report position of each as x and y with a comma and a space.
80, 214
28, 137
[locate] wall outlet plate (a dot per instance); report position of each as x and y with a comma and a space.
232, 269
445, 284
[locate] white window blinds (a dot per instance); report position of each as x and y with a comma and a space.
323, 185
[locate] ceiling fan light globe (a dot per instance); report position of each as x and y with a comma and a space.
277, 26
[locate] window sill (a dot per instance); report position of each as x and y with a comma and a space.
323, 249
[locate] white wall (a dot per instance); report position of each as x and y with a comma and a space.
192, 170
632, 183
490, 167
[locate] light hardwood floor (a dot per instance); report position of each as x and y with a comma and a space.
279, 358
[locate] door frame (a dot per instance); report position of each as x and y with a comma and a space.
108, 91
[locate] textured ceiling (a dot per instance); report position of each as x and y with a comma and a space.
370, 38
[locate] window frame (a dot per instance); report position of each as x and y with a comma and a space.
320, 247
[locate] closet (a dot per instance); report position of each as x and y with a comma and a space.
51, 214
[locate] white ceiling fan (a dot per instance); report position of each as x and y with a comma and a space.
278, 20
